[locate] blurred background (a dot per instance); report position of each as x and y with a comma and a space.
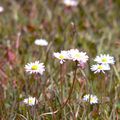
92, 26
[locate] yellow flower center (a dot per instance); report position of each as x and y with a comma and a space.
61, 56
34, 67
91, 99
104, 60
77, 55
30, 101
100, 67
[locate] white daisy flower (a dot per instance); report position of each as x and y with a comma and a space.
1, 9
75, 55
30, 101
35, 67
70, 2
41, 42
62, 56
100, 68
90, 98
105, 59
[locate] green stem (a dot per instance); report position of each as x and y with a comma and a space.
71, 89
116, 72
88, 84
61, 81
69, 96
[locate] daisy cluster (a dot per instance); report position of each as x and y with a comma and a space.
72, 54
103, 63
92, 99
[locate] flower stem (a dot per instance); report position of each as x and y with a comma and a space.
71, 89
116, 72
88, 84
61, 80
69, 96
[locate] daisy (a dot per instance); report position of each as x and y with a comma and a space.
61, 56
90, 98
70, 2
41, 42
100, 68
1, 9
105, 59
30, 101
75, 55
35, 67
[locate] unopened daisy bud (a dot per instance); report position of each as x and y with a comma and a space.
35, 67
100, 68
82, 65
41, 42
90, 98
73, 27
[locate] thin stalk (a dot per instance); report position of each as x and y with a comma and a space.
49, 102
61, 85
22, 116
114, 105
69, 96
101, 44
26, 87
71, 89
61, 81
116, 72
88, 84
77, 112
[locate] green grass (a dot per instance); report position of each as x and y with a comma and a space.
93, 26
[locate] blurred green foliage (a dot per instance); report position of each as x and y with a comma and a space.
93, 26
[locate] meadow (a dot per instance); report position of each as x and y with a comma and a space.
74, 74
